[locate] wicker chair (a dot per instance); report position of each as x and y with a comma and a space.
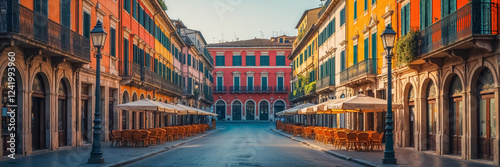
363, 139
126, 137
152, 137
341, 139
169, 134
116, 137
327, 136
319, 135
376, 140
144, 138
136, 137
352, 140
181, 132
308, 132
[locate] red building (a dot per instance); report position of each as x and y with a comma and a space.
251, 78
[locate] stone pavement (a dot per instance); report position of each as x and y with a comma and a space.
113, 156
404, 156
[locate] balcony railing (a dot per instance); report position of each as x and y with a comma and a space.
471, 19
254, 89
364, 67
281, 89
19, 20
325, 82
220, 89
324, 8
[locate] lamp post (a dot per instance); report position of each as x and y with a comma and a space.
388, 37
98, 36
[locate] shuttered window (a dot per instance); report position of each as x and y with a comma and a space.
250, 60
264, 83
126, 5
236, 83
355, 55
66, 13
156, 66
280, 60
236, 60
366, 49
125, 56
112, 42
41, 7
86, 25
281, 82
189, 59
342, 60
355, 10
405, 19
134, 7
342, 17
425, 13
366, 5
250, 83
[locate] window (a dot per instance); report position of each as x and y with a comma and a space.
301, 58
236, 60
250, 83
250, 60
448, 7
125, 55
355, 10
405, 19
126, 5
86, 25
425, 13
236, 81
366, 53
342, 60
366, 5
41, 7
281, 82
66, 13
264, 60
312, 76
264, 83
342, 17
189, 59
355, 55
134, 7
156, 66
374, 45
374, 2
280, 60
112, 42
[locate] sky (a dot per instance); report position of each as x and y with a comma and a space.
229, 20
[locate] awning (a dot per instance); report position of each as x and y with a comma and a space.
294, 110
358, 103
146, 105
186, 110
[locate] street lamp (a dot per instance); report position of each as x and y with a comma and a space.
98, 36
388, 37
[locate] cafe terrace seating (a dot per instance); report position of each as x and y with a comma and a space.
154, 136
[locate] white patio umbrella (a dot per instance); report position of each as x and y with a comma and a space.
146, 105
294, 110
358, 103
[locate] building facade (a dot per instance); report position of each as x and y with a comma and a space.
304, 59
251, 79
450, 85
143, 57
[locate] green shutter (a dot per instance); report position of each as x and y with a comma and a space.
366, 49
112, 42
264, 83
86, 25
280, 83
366, 5
355, 55
355, 9
250, 83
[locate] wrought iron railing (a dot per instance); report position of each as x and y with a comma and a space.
471, 19
17, 19
253, 89
364, 67
325, 82
323, 9
220, 89
281, 89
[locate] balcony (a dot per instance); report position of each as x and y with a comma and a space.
362, 73
472, 26
300, 94
281, 89
32, 31
220, 90
254, 89
323, 9
136, 76
325, 84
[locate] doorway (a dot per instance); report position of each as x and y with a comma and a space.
264, 111
236, 108
250, 110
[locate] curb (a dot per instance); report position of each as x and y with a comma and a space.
138, 158
335, 154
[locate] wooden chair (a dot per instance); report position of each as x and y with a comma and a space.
169, 134
308, 132
126, 137
352, 140
136, 137
144, 139
116, 137
175, 134
376, 140
298, 131
194, 130
341, 139
187, 131
152, 137
319, 135
363, 139
181, 132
